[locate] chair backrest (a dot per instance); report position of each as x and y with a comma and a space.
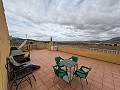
56, 71
13, 62
75, 59
9, 68
86, 72
7, 65
59, 72
57, 59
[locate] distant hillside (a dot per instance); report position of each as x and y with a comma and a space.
115, 39
15, 38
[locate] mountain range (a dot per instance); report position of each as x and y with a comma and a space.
115, 39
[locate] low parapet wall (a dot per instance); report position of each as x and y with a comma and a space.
112, 56
100, 54
41, 46
34, 46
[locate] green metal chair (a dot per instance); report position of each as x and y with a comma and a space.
59, 72
57, 60
82, 73
74, 58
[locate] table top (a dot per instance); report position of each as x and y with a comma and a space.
68, 63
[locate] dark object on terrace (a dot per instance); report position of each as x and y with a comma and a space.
13, 48
18, 55
74, 58
18, 73
82, 73
57, 60
33, 65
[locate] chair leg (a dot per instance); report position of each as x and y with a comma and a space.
68, 78
86, 81
15, 85
81, 83
54, 78
74, 69
29, 81
34, 77
11, 85
18, 84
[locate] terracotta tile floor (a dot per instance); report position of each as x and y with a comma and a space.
103, 76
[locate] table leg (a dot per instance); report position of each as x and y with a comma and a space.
70, 74
66, 69
76, 66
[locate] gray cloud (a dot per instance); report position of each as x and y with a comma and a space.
63, 19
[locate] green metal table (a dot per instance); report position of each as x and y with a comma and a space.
69, 64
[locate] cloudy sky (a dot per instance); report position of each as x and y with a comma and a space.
64, 20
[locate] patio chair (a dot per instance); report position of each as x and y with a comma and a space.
57, 60
82, 73
60, 73
74, 58
9, 68
18, 74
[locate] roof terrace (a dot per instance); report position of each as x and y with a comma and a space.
103, 76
